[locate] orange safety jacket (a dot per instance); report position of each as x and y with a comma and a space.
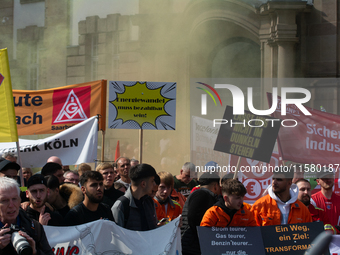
178, 197
173, 210
217, 216
266, 212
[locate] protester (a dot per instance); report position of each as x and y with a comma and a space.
317, 214
37, 210
326, 199
183, 183
55, 169
280, 205
134, 162
10, 202
165, 206
9, 169
71, 177
91, 209
229, 210
26, 173
83, 167
194, 209
136, 209
110, 193
54, 159
10, 156
62, 197
123, 168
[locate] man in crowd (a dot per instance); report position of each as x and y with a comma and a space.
83, 167
37, 194
52, 168
326, 199
26, 173
10, 202
165, 206
183, 183
317, 214
55, 159
229, 210
91, 209
136, 209
280, 205
71, 177
9, 169
194, 209
134, 162
123, 168
110, 193
10, 156
62, 197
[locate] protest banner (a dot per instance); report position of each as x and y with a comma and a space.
230, 240
247, 135
334, 247
53, 110
105, 237
142, 105
75, 145
8, 127
203, 138
314, 140
276, 239
291, 238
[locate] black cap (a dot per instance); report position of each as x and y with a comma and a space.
208, 177
6, 164
36, 179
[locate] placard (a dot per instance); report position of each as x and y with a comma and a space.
248, 135
230, 240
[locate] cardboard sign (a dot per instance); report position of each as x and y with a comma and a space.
230, 240
247, 135
142, 105
290, 239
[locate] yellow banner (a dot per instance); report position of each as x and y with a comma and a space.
54, 110
8, 127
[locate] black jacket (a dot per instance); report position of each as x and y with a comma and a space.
36, 231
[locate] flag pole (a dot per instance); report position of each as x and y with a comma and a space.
140, 146
19, 160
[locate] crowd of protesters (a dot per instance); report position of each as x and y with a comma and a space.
136, 197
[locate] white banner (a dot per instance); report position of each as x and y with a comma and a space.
103, 237
74, 146
334, 246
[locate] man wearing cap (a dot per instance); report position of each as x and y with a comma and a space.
183, 182
9, 169
136, 209
37, 193
194, 209
280, 205
326, 199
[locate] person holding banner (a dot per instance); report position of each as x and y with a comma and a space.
229, 210
280, 205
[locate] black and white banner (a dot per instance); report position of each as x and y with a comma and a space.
75, 145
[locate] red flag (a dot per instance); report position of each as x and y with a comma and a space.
314, 140
117, 154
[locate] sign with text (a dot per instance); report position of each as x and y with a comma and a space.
53, 110
230, 240
247, 135
142, 105
290, 239
315, 139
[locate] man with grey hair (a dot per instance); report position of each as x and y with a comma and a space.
184, 182
71, 177
10, 156
11, 213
